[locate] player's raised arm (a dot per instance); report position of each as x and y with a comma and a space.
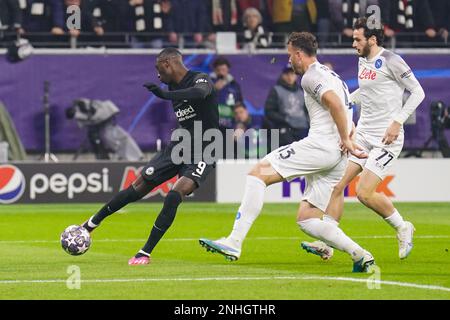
200, 90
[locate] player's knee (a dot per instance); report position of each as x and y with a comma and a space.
173, 198
363, 195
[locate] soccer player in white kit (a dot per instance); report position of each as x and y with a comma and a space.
319, 157
383, 77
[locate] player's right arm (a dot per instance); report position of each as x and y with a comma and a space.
322, 90
201, 89
339, 114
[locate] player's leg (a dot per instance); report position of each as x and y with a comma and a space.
134, 192
191, 177
173, 199
159, 169
261, 176
310, 222
383, 206
335, 207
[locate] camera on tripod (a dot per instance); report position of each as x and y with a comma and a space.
107, 139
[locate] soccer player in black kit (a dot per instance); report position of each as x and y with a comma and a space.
194, 99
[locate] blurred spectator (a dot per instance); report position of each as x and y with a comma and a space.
242, 119
110, 15
150, 16
285, 108
224, 15
408, 16
263, 6
228, 91
255, 36
293, 15
189, 17
50, 16
441, 14
10, 16
329, 19
351, 11
242, 137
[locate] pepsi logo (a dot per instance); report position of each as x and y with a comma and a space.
12, 184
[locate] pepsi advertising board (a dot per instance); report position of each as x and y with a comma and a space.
81, 182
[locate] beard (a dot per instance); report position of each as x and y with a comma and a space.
365, 51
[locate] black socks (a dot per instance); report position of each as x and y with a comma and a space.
163, 221
119, 201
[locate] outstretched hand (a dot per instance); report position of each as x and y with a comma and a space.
155, 89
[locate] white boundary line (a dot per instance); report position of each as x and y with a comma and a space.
288, 278
195, 239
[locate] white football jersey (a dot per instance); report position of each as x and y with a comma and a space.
382, 83
317, 80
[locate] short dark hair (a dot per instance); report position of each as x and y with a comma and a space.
239, 104
169, 52
220, 61
378, 33
304, 41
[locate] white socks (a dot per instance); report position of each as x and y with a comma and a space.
250, 208
332, 235
395, 220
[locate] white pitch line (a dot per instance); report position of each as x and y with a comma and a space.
306, 277
195, 239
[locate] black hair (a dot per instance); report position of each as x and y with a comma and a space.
169, 52
370, 31
220, 61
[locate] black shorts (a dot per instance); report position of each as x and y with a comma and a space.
161, 168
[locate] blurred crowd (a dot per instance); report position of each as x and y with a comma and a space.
258, 23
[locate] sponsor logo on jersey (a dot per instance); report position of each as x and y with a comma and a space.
367, 74
406, 74
186, 113
318, 88
378, 63
201, 81
12, 184
238, 215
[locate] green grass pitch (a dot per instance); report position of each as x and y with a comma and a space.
272, 266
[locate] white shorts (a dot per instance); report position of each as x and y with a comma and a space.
321, 163
381, 156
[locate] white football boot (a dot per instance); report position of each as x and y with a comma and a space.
405, 240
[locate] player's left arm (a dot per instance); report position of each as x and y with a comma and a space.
201, 89
406, 79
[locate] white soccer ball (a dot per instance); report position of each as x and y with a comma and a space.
75, 240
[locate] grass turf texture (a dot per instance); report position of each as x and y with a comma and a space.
272, 265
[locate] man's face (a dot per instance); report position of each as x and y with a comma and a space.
240, 114
295, 59
361, 43
289, 77
164, 70
222, 71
